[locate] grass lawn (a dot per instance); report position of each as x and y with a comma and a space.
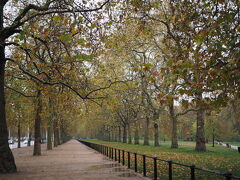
217, 158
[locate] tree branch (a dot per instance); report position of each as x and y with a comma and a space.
185, 112
43, 10
103, 88
21, 93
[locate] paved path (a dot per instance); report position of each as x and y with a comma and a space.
70, 161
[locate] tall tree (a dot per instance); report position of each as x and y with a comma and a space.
9, 27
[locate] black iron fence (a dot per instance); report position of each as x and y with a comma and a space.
153, 166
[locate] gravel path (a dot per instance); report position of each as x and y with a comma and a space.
70, 161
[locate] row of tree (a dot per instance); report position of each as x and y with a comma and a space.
130, 63
174, 57
45, 51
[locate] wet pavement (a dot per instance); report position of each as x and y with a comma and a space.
69, 161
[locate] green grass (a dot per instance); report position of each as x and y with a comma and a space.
216, 158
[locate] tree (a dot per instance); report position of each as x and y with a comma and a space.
200, 54
9, 27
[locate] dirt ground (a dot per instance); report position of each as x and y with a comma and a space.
69, 161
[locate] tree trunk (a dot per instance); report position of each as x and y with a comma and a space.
19, 134
235, 104
49, 135
136, 136
200, 135
55, 133
37, 127
174, 132
129, 135
7, 163
52, 124
124, 134
29, 139
62, 134
213, 137
119, 134
115, 135
156, 135
173, 118
59, 136
146, 133
109, 135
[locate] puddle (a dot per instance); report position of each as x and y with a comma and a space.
119, 169
101, 167
127, 175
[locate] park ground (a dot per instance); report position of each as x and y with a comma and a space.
216, 158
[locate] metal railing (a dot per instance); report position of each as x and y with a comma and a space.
138, 162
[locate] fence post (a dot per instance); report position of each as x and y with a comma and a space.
155, 167
112, 153
123, 158
135, 161
228, 176
170, 170
144, 165
115, 154
119, 156
192, 172
129, 165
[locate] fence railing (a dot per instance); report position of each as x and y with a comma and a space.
139, 163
